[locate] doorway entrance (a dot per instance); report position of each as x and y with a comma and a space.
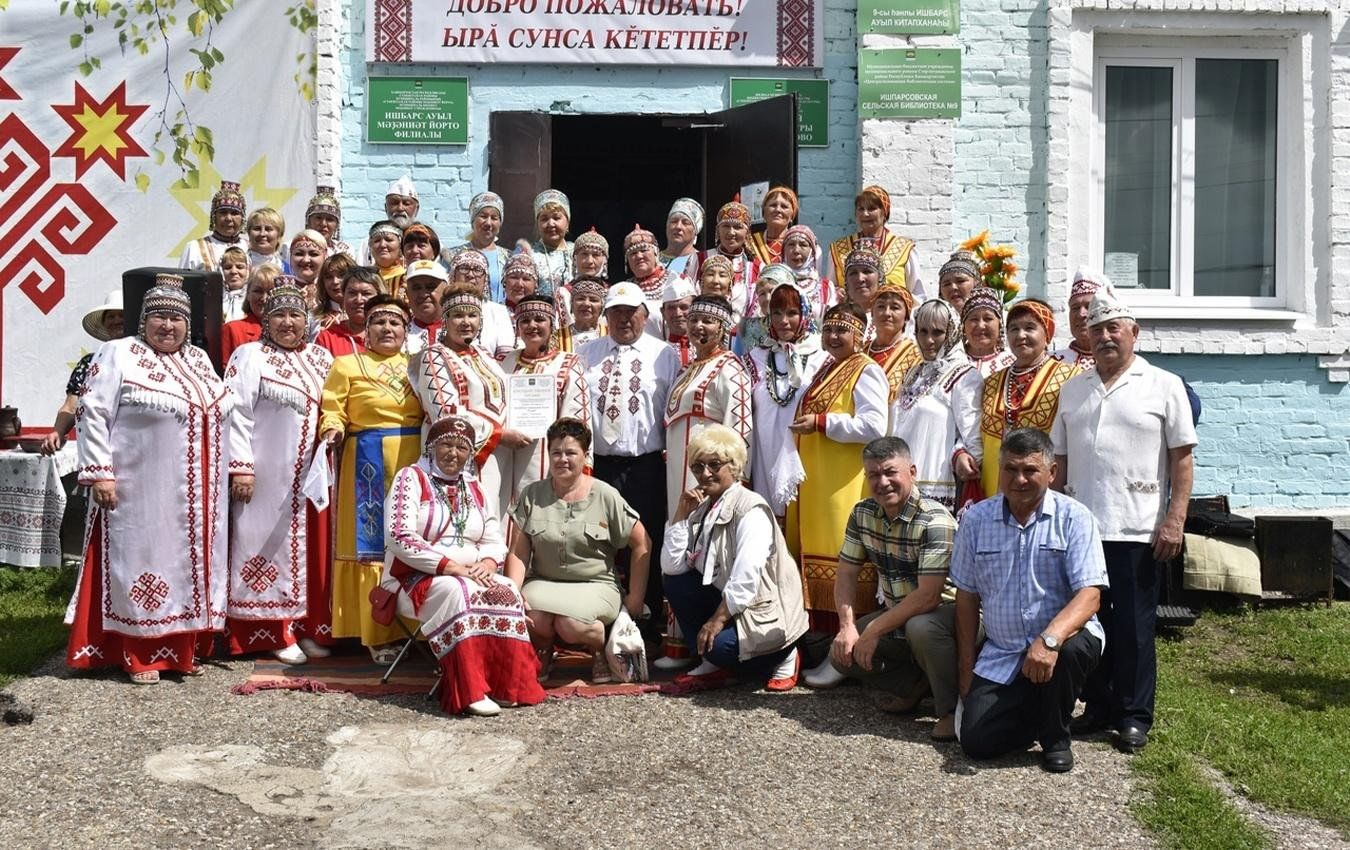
618, 170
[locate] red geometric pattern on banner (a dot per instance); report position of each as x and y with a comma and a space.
796, 33
87, 142
393, 30
66, 219
7, 91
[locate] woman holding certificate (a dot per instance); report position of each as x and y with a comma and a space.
455, 378
544, 385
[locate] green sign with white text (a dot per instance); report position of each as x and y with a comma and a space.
909, 83
923, 17
813, 104
417, 110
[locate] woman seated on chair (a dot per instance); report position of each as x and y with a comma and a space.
443, 553
727, 572
569, 528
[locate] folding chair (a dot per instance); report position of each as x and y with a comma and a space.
413, 638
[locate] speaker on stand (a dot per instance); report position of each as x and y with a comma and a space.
204, 288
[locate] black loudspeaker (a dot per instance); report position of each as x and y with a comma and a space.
204, 288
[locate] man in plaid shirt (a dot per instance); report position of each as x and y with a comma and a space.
907, 648
1030, 561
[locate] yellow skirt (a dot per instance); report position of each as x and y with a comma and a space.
352, 581
816, 520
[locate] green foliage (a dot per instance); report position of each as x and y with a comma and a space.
1264, 698
144, 26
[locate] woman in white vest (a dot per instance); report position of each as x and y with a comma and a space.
728, 575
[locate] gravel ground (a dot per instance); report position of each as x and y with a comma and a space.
730, 768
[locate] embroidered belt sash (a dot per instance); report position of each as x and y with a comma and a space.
370, 487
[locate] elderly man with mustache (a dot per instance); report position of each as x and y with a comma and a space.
1124, 439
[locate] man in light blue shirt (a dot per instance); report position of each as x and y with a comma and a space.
1031, 560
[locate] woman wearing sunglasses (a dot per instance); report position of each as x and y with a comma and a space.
730, 580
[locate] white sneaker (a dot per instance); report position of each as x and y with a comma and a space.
314, 650
484, 707
290, 655
823, 676
665, 662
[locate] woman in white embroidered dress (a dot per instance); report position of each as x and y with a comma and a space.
535, 318
278, 581
712, 388
780, 367
923, 415
552, 253
151, 430
455, 378
445, 554
982, 340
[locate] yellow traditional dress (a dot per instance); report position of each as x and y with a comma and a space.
1009, 401
896, 360
851, 395
368, 398
895, 251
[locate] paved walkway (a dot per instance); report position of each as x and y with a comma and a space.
186, 763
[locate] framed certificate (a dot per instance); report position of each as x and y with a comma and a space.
532, 404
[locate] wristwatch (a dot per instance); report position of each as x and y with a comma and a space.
1051, 642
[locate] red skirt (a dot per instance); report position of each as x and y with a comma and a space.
90, 646
505, 669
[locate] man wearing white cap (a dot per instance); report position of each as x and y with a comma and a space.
422, 287
1087, 282
674, 324
629, 374
400, 206
1123, 440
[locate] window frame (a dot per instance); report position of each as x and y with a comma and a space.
1181, 53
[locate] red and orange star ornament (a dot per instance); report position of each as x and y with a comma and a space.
100, 130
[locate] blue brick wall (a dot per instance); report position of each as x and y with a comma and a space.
447, 177
1274, 431
1001, 139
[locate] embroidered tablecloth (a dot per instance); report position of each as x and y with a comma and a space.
32, 502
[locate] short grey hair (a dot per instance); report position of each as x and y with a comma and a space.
1021, 442
884, 448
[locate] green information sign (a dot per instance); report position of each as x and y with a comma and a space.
417, 110
909, 83
909, 16
813, 104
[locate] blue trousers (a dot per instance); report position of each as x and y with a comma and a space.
693, 603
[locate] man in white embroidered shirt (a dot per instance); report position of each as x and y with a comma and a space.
1123, 439
630, 374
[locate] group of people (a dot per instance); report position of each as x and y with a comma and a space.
836, 477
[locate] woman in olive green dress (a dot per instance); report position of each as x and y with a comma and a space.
569, 527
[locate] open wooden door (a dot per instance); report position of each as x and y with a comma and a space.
748, 144
520, 166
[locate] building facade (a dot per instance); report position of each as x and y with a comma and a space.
1199, 150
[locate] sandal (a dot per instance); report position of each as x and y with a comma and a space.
145, 677
545, 657
195, 670
383, 655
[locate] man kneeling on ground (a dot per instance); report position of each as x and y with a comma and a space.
907, 648
1031, 561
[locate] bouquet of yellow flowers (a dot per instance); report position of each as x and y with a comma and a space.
996, 267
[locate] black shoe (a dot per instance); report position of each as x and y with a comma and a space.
1088, 723
1057, 761
1131, 739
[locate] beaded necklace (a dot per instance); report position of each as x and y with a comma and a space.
774, 375
1015, 373
454, 496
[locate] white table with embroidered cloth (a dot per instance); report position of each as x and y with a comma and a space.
32, 503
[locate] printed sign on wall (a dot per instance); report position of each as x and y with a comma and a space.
909, 83
813, 104
777, 33
417, 110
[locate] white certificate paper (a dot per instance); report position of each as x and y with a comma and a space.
532, 404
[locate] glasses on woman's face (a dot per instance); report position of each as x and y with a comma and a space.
711, 466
